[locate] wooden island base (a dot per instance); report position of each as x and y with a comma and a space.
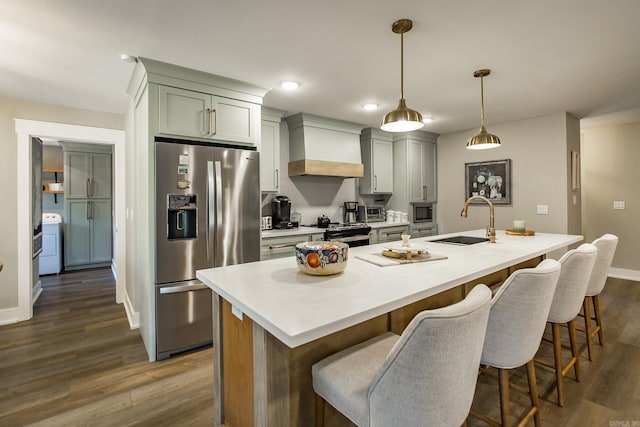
259, 381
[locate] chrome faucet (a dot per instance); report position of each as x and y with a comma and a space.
491, 229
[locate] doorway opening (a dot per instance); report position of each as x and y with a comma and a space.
26, 129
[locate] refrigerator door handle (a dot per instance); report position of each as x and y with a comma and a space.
182, 288
210, 204
218, 195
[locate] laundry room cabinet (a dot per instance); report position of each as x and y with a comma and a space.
88, 215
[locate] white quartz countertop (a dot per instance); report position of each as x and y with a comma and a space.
297, 308
383, 224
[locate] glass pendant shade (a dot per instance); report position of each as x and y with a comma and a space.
402, 119
483, 140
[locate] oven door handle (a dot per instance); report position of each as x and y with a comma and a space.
352, 238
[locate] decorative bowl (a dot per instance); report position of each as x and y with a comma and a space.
322, 258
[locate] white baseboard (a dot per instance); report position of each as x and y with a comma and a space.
8, 316
36, 292
622, 273
132, 315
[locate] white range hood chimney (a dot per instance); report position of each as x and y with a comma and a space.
324, 147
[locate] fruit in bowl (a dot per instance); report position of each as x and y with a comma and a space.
322, 258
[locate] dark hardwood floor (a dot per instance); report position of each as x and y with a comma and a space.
77, 363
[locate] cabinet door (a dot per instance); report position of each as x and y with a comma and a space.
415, 160
270, 157
77, 175
100, 230
429, 171
77, 232
184, 112
100, 185
234, 120
382, 166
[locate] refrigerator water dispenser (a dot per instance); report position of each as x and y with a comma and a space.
182, 216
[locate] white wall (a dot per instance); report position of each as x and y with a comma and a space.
538, 149
610, 172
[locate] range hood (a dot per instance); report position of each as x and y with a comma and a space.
324, 147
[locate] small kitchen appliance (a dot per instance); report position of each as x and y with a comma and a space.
350, 212
281, 213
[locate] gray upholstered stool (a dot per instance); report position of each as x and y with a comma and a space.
606, 249
576, 267
426, 375
518, 316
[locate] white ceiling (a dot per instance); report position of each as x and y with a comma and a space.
547, 56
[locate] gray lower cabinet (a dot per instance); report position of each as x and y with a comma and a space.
423, 230
283, 246
388, 234
87, 233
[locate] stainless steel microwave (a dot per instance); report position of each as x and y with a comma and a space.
422, 212
374, 213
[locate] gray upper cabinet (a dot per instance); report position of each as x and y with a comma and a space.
414, 169
194, 114
376, 147
270, 150
87, 175
422, 171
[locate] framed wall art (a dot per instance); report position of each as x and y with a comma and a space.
491, 179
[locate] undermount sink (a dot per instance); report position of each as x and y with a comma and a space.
462, 240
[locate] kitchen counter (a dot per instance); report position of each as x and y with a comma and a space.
277, 321
383, 224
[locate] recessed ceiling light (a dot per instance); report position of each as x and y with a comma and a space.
370, 107
290, 85
427, 119
128, 58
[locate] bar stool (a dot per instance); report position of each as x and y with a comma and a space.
426, 375
606, 249
517, 319
576, 267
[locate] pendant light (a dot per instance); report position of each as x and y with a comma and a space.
483, 140
402, 119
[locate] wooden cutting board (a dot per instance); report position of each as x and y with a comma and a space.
520, 233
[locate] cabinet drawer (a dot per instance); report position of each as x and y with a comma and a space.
279, 247
424, 231
391, 234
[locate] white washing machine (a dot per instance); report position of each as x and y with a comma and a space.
51, 255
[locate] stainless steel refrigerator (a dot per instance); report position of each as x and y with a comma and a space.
208, 215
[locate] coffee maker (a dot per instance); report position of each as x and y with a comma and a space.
350, 212
281, 213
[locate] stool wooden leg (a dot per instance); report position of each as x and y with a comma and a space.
503, 382
319, 414
557, 357
587, 324
533, 391
596, 308
575, 356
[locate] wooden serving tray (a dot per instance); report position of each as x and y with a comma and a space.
402, 254
520, 233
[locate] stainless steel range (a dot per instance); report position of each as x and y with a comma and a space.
354, 234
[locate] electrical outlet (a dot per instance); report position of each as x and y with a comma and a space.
618, 204
543, 210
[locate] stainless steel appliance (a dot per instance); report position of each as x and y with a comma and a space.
356, 234
422, 212
350, 212
373, 213
36, 195
208, 215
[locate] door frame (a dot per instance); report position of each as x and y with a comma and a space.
25, 130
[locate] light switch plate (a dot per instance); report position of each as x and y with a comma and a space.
543, 210
618, 204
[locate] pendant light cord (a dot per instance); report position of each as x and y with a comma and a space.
482, 99
402, 65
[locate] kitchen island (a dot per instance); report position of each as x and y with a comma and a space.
272, 322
